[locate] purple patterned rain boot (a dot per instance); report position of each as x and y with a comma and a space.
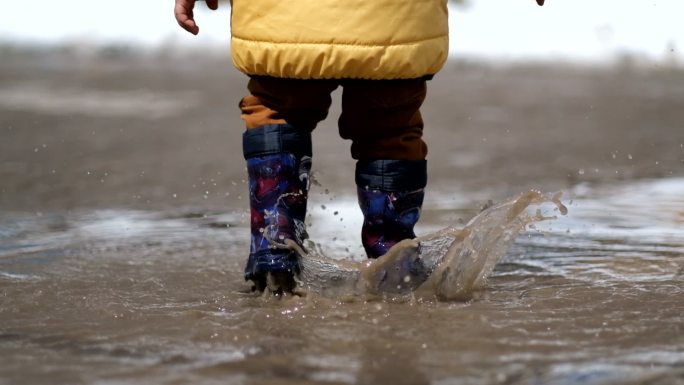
391, 195
278, 164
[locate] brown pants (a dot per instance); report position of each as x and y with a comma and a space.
381, 117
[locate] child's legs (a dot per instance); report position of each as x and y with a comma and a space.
279, 115
300, 103
383, 120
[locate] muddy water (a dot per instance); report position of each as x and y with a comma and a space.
123, 231
115, 296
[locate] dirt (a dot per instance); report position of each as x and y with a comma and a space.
123, 128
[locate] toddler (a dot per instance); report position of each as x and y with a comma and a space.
296, 52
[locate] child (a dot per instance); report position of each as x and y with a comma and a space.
296, 53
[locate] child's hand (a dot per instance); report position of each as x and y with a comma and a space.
185, 16
540, 2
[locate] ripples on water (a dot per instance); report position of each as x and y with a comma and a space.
156, 297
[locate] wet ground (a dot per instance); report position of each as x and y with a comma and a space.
123, 231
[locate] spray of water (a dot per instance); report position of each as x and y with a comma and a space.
449, 264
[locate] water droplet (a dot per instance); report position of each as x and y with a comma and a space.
581, 171
629, 156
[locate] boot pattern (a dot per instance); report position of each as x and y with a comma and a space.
278, 193
389, 217
278, 189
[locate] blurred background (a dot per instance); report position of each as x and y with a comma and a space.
114, 105
578, 30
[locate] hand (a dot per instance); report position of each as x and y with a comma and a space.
540, 2
185, 16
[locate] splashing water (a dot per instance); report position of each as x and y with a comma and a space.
448, 264
142, 296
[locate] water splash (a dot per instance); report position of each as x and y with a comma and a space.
449, 264
480, 245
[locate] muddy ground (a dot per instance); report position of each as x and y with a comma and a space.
130, 129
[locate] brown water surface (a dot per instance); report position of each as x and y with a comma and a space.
123, 232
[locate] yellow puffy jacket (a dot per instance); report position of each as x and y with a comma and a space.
334, 39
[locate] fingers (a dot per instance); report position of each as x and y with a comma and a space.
185, 17
212, 4
188, 25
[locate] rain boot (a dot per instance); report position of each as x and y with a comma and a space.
278, 164
390, 195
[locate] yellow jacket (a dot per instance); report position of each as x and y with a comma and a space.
333, 39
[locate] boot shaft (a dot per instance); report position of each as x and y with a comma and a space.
389, 217
390, 194
278, 165
277, 196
